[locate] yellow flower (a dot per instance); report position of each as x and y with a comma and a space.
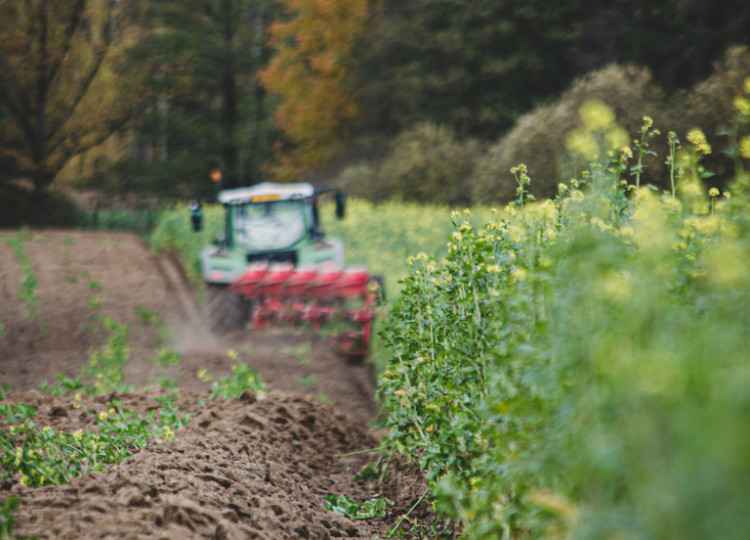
596, 114
617, 138
519, 273
742, 104
103, 415
698, 138
554, 502
231, 353
713, 192
24, 480
77, 397
744, 147
562, 188
582, 142
78, 434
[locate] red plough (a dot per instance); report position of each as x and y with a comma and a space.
282, 295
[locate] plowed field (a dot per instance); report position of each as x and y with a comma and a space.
242, 468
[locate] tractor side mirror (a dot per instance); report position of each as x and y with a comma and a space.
196, 215
340, 204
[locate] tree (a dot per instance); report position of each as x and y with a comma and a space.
62, 90
312, 71
473, 65
204, 108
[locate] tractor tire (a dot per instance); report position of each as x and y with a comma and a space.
227, 311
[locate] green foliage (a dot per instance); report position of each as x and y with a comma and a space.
29, 281
627, 90
203, 107
577, 367
380, 236
242, 379
426, 163
62, 60
42, 455
105, 365
168, 357
174, 231
348, 507
300, 352
309, 380
471, 65
66, 387
478, 65
8, 521
137, 220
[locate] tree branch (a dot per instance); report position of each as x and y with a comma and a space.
70, 29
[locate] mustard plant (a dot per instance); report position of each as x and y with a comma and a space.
578, 368
39, 455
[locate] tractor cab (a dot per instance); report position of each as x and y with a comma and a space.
275, 266
270, 223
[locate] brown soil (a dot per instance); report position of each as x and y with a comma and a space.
242, 468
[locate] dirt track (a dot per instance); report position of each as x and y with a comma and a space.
240, 469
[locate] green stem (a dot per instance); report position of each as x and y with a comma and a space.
393, 530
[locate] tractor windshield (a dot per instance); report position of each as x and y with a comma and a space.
270, 225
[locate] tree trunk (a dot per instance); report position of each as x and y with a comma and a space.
38, 200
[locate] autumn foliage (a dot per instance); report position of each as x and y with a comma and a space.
312, 72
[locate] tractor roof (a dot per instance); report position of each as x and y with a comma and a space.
266, 191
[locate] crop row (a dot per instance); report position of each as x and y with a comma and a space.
578, 368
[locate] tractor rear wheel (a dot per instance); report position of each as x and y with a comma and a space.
227, 311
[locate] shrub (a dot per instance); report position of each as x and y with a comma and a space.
425, 164
537, 138
709, 105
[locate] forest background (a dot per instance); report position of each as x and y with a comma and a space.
428, 100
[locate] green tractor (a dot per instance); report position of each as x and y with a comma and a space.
274, 265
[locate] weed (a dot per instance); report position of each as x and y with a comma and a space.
105, 365
371, 471
300, 352
29, 281
168, 357
67, 386
324, 399
309, 380
8, 508
243, 378
42, 455
348, 507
